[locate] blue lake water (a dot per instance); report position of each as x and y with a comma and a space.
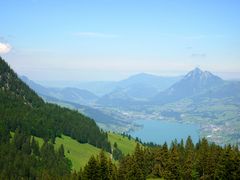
163, 131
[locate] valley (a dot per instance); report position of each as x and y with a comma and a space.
210, 103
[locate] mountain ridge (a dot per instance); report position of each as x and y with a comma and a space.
71, 94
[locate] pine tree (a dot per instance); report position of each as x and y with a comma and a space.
188, 169
91, 170
103, 166
202, 155
173, 165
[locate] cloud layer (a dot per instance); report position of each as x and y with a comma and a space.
5, 48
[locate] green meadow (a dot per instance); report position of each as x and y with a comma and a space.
124, 144
80, 153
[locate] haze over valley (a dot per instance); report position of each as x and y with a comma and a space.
199, 98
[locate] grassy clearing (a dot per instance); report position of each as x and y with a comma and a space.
78, 153
124, 144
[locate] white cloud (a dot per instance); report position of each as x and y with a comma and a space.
94, 35
5, 48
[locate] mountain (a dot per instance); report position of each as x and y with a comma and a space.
144, 86
131, 91
192, 84
227, 89
138, 85
136, 89
119, 99
34, 86
21, 108
99, 88
66, 94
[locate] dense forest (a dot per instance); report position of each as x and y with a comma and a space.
22, 158
22, 108
179, 161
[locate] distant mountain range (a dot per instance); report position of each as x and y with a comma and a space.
136, 89
66, 94
194, 85
139, 85
145, 89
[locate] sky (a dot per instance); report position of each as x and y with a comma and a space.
87, 40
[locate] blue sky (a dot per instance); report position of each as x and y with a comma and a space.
112, 39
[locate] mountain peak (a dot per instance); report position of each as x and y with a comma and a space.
193, 83
197, 69
198, 74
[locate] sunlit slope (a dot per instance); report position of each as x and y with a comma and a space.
78, 153
124, 144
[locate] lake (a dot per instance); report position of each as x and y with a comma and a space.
163, 131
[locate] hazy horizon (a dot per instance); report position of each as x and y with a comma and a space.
126, 76
112, 40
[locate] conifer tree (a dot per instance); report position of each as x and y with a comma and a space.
91, 170
103, 166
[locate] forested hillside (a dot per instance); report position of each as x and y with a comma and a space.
20, 107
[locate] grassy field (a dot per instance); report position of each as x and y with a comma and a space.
124, 144
78, 153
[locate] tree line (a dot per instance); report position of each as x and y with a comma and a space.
202, 160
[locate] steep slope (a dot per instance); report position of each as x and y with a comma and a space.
20, 107
66, 94
194, 83
14, 87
